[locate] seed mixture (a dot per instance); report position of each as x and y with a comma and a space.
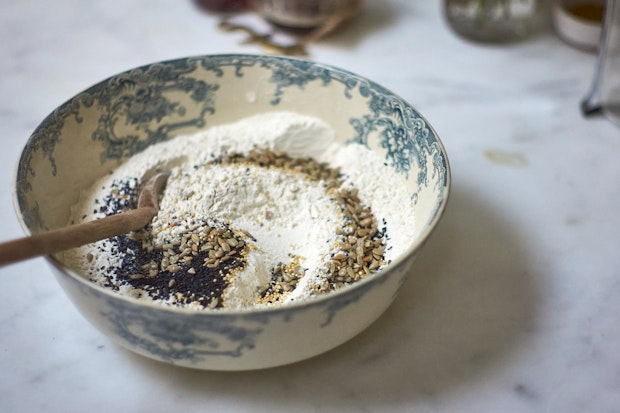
197, 266
266, 211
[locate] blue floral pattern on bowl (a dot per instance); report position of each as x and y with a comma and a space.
93, 132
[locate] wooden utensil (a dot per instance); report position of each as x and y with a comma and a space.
73, 236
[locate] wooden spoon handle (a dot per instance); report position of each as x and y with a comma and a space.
75, 235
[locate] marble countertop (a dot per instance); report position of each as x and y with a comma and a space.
514, 304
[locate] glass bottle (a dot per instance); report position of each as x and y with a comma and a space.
604, 95
493, 21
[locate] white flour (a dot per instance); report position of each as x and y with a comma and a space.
287, 214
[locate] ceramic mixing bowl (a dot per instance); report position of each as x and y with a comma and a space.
91, 133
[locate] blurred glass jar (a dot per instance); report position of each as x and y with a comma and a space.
604, 95
305, 14
493, 21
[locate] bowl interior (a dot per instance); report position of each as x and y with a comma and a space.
95, 131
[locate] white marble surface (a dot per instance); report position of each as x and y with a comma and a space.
514, 305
